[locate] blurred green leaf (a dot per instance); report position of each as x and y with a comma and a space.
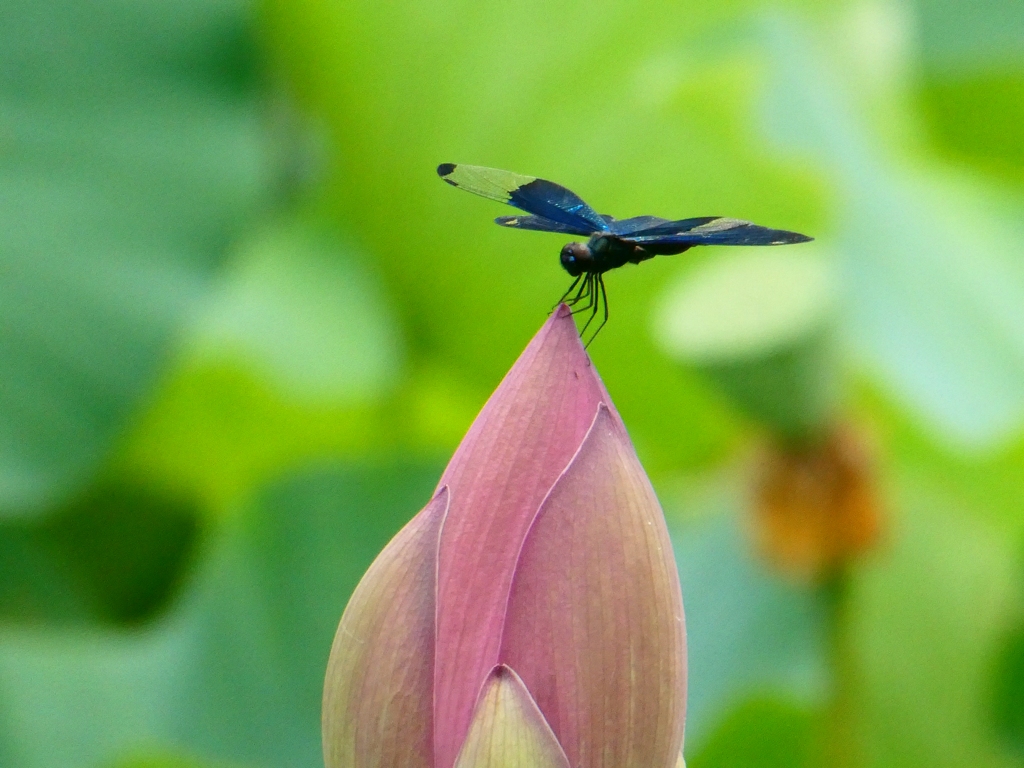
234, 672
80, 699
131, 148
298, 307
217, 430
760, 733
1008, 691
747, 630
971, 81
951, 39
35, 585
926, 617
269, 603
157, 758
294, 356
978, 117
933, 270
986, 487
114, 554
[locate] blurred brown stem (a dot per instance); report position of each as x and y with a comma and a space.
840, 747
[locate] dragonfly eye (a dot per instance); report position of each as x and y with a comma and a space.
576, 258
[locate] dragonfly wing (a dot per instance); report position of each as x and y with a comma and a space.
660, 227
635, 224
715, 230
528, 193
540, 224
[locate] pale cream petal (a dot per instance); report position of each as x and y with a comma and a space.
507, 730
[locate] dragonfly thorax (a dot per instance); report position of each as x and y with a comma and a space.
601, 253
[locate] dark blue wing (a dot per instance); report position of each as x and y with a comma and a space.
635, 224
540, 224
714, 230
528, 193
660, 227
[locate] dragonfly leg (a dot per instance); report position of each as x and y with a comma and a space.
583, 292
586, 291
571, 287
604, 297
595, 305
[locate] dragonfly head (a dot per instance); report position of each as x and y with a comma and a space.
576, 258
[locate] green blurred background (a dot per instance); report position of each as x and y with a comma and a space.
243, 325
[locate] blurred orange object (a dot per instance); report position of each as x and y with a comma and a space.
816, 505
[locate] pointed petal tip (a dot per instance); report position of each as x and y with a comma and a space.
607, 418
561, 319
442, 496
561, 327
501, 671
508, 729
562, 311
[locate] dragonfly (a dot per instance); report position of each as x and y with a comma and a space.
612, 243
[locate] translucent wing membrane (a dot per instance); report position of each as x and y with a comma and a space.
714, 230
486, 182
544, 199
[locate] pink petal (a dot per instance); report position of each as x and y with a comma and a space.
595, 617
517, 447
378, 694
508, 731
